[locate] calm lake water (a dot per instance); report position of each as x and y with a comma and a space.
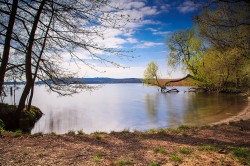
115, 107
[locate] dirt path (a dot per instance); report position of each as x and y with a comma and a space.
184, 146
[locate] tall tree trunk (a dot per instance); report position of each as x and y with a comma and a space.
28, 62
6, 50
39, 59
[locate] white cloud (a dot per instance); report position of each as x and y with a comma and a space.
188, 6
148, 44
165, 8
157, 32
132, 40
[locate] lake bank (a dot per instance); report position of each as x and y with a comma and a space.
243, 115
216, 145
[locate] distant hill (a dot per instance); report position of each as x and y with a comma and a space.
97, 80
101, 80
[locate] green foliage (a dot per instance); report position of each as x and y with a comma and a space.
175, 157
223, 65
185, 150
159, 150
151, 73
184, 45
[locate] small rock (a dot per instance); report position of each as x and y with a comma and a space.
222, 151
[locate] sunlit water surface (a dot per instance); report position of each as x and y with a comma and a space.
115, 107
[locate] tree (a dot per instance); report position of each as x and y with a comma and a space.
151, 73
185, 46
6, 50
45, 29
226, 28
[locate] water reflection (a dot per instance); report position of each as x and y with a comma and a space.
116, 107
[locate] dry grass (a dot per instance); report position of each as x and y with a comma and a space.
217, 145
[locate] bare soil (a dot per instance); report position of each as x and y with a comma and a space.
211, 145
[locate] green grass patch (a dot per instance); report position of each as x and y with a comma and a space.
53, 134
172, 130
207, 148
1, 126
175, 157
184, 134
152, 130
80, 132
97, 159
159, 150
123, 162
185, 150
18, 133
71, 132
242, 154
39, 134
154, 164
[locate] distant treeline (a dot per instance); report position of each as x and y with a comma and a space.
91, 81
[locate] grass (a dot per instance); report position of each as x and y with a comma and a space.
154, 164
53, 134
80, 132
123, 162
175, 157
71, 132
25, 153
185, 150
152, 130
207, 148
1, 126
172, 130
18, 133
39, 134
159, 150
183, 133
97, 159
242, 154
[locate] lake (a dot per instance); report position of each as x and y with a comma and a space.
115, 107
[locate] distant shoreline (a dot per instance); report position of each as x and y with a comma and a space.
243, 115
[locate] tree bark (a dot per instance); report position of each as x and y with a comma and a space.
39, 60
6, 50
28, 63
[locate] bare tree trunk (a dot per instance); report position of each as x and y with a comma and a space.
28, 63
38, 61
6, 50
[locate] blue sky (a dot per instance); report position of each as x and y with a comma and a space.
156, 20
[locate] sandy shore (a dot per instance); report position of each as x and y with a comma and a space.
243, 115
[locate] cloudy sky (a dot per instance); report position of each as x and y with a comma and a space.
156, 20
